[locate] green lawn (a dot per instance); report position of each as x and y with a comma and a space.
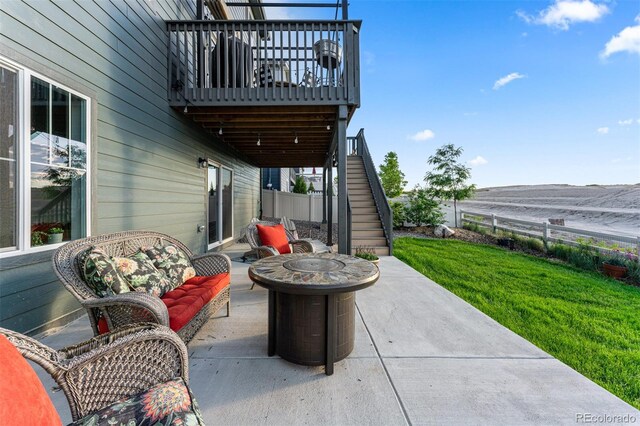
587, 321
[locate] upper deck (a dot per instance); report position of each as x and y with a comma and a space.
263, 63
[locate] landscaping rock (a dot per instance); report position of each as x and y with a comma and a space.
443, 231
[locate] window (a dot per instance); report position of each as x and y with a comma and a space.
220, 205
44, 140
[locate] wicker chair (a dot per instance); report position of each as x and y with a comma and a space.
299, 246
96, 373
134, 307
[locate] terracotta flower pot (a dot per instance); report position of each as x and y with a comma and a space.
614, 271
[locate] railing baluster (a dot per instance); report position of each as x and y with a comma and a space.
243, 64
217, 61
194, 63
186, 62
281, 60
290, 57
306, 64
234, 62
272, 61
313, 67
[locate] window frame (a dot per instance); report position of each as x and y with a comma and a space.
23, 160
220, 241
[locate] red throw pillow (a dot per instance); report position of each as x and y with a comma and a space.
23, 399
274, 236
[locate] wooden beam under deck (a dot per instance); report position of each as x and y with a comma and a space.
277, 128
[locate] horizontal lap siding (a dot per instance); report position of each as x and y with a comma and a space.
146, 170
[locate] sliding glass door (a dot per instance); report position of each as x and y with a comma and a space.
220, 204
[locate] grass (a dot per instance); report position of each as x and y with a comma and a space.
587, 321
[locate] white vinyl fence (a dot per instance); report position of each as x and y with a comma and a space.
295, 206
603, 242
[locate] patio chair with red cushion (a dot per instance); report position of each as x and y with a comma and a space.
136, 375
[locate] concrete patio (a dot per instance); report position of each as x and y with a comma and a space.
422, 356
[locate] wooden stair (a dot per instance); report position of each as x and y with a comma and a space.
366, 227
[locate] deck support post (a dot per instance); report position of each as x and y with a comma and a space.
341, 133
330, 202
324, 195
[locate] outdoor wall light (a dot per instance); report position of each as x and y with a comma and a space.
220, 131
296, 139
258, 143
202, 162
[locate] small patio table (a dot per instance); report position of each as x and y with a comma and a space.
312, 304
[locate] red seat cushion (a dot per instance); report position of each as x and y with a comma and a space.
186, 301
23, 399
274, 236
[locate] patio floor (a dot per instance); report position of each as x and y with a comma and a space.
422, 356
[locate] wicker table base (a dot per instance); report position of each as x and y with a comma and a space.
312, 304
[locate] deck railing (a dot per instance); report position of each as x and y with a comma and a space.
259, 62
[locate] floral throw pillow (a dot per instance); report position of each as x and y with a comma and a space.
173, 261
101, 274
169, 403
142, 275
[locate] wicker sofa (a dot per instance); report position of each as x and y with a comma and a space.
184, 309
145, 365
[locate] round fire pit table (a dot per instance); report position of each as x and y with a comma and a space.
312, 304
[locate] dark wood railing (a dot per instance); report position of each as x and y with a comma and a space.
212, 63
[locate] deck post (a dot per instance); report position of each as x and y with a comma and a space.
330, 205
324, 195
341, 133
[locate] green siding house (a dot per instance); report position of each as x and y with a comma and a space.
155, 114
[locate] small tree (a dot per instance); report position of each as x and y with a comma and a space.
391, 176
311, 188
398, 209
423, 209
300, 187
447, 180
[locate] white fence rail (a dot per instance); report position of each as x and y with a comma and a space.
603, 242
295, 206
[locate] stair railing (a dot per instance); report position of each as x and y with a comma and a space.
349, 225
358, 146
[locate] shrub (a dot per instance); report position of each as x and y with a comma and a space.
399, 216
560, 251
535, 244
300, 187
475, 228
423, 209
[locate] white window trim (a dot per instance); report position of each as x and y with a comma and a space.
220, 207
23, 162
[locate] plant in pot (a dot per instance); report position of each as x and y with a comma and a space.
55, 235
615, 267
38, 238
367, 254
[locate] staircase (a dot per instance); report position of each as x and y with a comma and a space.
366, 225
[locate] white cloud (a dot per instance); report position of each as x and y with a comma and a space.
627, 122
507, 79
563, 13
603, 130
627, 40
424, 135
478, 161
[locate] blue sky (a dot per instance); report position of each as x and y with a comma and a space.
529, 89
